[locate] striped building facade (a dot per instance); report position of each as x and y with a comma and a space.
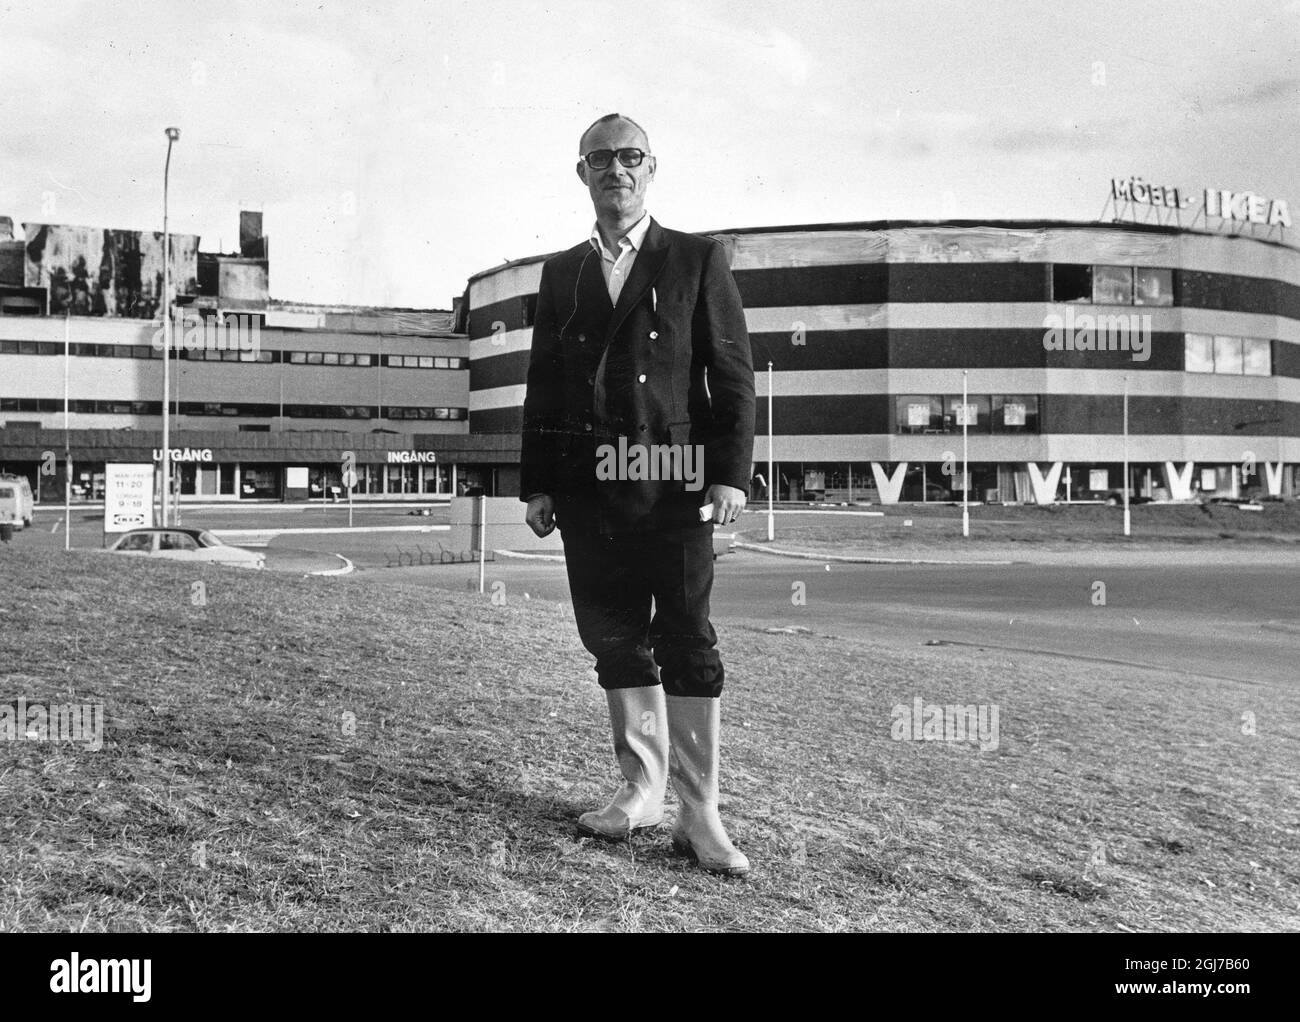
872, 329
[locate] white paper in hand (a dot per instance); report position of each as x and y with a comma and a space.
706, 512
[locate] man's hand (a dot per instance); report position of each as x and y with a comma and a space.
724, 504
540, 515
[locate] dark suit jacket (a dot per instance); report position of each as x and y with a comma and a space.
669, 365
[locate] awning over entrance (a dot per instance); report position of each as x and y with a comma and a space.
19, 443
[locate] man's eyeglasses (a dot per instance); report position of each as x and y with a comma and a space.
600, 159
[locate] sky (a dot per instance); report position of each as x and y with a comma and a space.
397, 148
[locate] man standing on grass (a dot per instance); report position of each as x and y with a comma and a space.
640, 351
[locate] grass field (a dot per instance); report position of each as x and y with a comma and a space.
319, 754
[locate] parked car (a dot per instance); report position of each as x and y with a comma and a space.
186, 545
16, 500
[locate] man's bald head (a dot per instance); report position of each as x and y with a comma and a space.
614, 120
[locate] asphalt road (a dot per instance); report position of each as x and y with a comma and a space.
1233, 622
1225, 620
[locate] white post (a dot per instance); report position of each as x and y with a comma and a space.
482, 540
965, 468
172, 135
771, 478
67, 435
1127, 520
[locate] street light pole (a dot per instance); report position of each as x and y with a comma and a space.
67, 432
1124, 483
172, 135
771, 518
965, 465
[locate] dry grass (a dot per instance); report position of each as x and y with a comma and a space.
229, 795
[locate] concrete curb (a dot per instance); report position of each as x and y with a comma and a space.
557, 558
345, 570
262, 537
801, 555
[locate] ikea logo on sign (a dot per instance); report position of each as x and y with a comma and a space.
1246, 207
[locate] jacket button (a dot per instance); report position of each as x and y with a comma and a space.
582, 337
587, 426
641, 378
654, 335
644, 427
591, 381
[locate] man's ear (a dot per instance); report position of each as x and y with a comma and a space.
654, 165
581, 168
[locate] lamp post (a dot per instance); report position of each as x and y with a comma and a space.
67, 432
1128, 522
771, 518
965, 462
172, 135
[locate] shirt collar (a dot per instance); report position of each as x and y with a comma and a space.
635, 237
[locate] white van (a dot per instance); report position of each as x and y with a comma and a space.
15, 500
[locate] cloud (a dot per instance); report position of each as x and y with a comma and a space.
1044, 138
1265, 92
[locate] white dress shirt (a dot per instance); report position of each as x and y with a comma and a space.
617, 268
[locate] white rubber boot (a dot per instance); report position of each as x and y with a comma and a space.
693, 730
639, 721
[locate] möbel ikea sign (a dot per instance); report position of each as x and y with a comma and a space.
1243, 207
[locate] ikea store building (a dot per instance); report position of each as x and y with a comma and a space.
872, 330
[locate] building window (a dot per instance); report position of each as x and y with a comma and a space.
330, 358
1198, 353
363, 360
1153, 287
1112, 285
426, 361
298, 358
1257, 357
919, 413
314, 358
1231, 356
1071, 283
1015, 413
346, 359
1227, 355
976, 414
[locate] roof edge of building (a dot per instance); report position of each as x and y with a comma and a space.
892, 225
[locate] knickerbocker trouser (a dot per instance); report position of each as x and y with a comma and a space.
614, 578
